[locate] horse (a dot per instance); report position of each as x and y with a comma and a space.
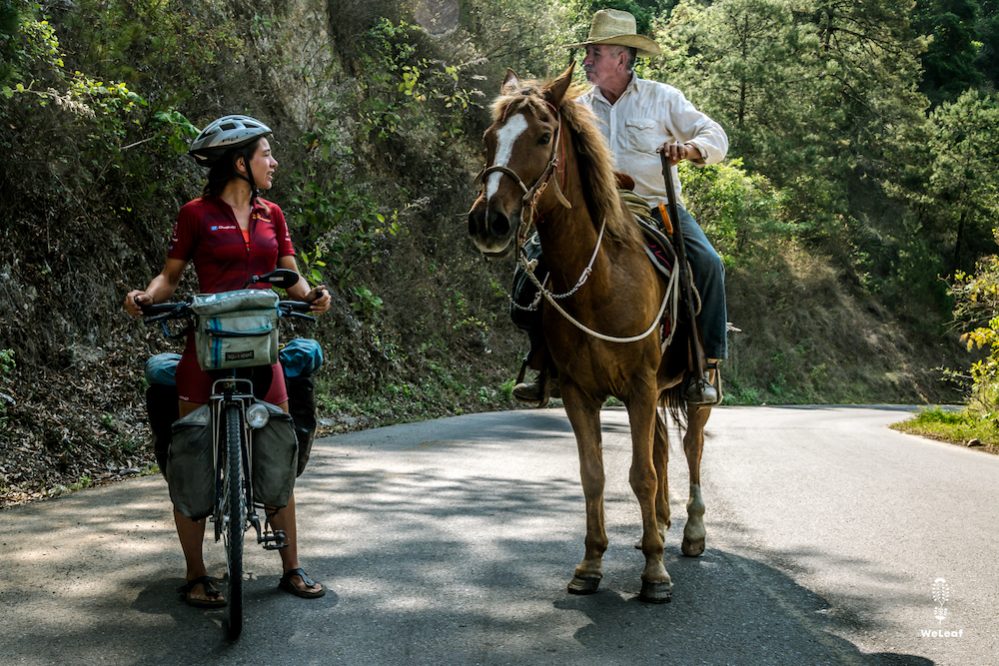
548, 164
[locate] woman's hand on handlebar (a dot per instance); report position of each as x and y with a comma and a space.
134, 300
320, 299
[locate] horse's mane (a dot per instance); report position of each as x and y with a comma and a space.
594, 158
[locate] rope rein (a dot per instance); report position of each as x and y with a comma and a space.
529, 205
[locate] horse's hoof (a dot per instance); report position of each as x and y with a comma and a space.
579, 585
692, 547
656, 593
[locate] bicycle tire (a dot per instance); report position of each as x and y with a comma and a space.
234, 510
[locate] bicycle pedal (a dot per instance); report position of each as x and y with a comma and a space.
273, 540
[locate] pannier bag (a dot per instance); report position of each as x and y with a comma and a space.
275, 459
236, 329
190, 469
302, 407
300, 358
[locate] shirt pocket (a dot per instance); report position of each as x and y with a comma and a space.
644, 134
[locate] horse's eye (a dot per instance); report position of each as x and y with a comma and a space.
545, 138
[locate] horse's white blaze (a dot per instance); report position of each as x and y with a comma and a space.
505, 138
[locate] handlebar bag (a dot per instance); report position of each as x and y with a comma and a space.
236, 329
275, 459
190, 469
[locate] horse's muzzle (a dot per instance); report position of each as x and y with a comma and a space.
491, 230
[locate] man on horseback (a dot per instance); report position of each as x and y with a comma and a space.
641, 119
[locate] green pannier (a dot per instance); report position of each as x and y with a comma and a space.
275, 458
236, 329
190, 471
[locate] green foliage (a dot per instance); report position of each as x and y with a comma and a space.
952, 61
524, 35
400, 81
977, 313
811, 93
7, 363
959, 427
644, 11
738, 209
952, 187
26, 38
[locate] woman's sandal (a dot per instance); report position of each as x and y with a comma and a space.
213, 597
290, 588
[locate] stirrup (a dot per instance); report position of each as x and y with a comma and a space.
535, 393
704, 391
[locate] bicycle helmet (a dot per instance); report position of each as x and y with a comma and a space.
225, 134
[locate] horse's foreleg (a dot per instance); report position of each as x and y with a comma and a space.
648, 487
584, 416
693, 446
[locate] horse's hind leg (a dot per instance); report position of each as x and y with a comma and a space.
660, 453
648, 487
585, 419
693, 446
660, 460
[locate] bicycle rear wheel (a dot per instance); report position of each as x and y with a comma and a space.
234, 513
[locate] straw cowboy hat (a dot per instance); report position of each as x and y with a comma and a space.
613, 26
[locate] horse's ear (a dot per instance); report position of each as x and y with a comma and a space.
511, 83
555, 90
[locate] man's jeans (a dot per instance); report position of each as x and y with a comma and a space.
709, 278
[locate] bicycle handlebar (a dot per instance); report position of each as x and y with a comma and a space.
157, 312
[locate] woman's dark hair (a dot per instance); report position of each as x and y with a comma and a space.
224, 169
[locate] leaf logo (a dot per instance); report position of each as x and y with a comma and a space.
941, 593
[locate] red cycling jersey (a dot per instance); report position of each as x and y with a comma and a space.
207, 233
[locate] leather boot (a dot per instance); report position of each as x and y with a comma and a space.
537, 391
701, 390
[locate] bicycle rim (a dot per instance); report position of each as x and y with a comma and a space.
234, 497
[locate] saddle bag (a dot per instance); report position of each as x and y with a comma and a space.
275, 459
236, 329
190, 467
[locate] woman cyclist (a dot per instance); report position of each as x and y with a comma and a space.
230, 233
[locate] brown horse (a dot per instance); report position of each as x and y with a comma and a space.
547, 162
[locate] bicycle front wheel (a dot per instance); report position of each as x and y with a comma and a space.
234, 513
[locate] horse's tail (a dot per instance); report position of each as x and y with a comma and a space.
672, 400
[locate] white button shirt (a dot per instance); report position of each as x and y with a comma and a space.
647, 115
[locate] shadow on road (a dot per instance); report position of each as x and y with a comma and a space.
451, 545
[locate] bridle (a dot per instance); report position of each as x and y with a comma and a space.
529, 204
532, 194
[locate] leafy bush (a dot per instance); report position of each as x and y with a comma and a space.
977, 311
739, 210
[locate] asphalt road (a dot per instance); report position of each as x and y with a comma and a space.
452, 541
